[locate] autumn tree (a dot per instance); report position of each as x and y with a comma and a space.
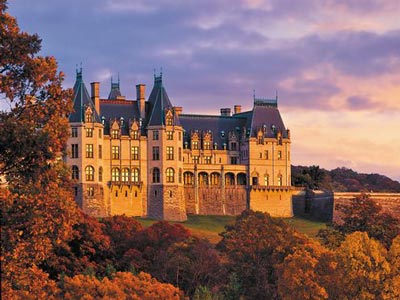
124, 286
37, 209
254, 245
362, 214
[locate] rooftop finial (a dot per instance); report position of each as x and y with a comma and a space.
276, 96
254, 94
79, 71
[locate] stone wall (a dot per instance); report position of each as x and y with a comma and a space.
95, 205
277, 201
390, 202
174, 203
126, 199
190, 199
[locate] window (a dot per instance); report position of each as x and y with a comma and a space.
100, 174
170, 153
179, 136
195, 159
115, 152
100, 151
279, 180
75, 172
155, 135
89, 150
89, 132
156, 175
180, 153
254, 181
74, 132
260, 139
260, 155
207, 160
233, 146
233, 160
135, 175
89, 116
266, 180
135, 134
195, 145
75, 191
114, 174
90, 191
89, 172
207, 145
134, 152
188, 178
180, 175
214, 179
125, 175
74, 152
169, 121
170, 135
156, 153
266, 154
114, 133
215, 146
279, 154
170, 175
100, 133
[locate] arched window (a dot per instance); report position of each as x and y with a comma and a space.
170, 175
114, 174
101, 174
125, 175
203, 179
75, 172
135, 175
180, 175
214, 179
156, 175
188, 178
89, 172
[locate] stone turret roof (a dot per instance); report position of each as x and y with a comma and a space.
81, 101
158, 104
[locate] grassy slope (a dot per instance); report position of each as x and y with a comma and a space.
209, 226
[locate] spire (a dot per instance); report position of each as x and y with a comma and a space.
115, 91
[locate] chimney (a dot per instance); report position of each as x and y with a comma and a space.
237, 109
226, 112
140, 91
96, 95
178, 110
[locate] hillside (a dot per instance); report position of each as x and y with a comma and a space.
342, 180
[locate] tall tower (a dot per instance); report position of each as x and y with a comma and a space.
165, 166
85, 151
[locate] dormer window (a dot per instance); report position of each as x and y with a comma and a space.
169, 121
114, 133
169, 118
135, 134
195, 145
88, 115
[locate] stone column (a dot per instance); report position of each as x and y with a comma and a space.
196, 191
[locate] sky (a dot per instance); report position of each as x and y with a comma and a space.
334, 64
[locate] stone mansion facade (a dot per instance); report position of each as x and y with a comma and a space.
148, 158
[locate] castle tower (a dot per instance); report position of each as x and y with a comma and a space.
85, 151
165, 166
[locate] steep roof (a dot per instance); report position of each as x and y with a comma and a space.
158, 103
81, 101
268, 116
218, 126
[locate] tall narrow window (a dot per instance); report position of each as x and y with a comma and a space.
100, 134
207, 145
89, 116
134, 152
180, 153
115, 152
114, 174
155, 135
279, 154
156, 175
170, 153
100, 151
279, 180
125, 175
101, 174
180, 175
195, 159
233, 146
169, 121
75, 172
74, 152
266, 154
156, 153
195, 145
207, 160
89, 150
74, 132
90, 191
170, 173
135, 134
135, 175
266, 180
89, 173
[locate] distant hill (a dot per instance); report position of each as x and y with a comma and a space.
342, 180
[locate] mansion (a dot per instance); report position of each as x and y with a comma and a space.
147, 158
